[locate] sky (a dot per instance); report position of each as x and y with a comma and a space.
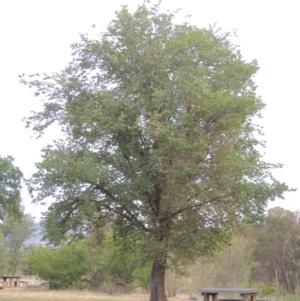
35, 36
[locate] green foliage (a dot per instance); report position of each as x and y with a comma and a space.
124, 263
142, 276
266, 290
4, 258
96, 274
113, 259
16, 232
10, 186
59, 267
159, 138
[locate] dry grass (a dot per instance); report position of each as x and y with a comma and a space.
23, 294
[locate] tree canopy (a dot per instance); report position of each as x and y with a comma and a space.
10, 187
16, 232
159, 138
277, 250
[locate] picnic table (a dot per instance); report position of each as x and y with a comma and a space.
248, 294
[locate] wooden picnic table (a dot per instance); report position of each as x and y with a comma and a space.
248, 294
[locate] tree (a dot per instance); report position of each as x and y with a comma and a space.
115, 260
277, 250
123, 262
59, 267
10, 186
16, 232
231, 267
158, 136
4, 259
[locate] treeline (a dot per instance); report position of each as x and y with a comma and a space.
109, 264
265, 254
98, 261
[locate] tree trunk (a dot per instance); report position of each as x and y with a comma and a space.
157, 287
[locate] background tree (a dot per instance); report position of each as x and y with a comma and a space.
158, 128
123, 262
4, 259
231, 267
278, 249
10, 187
16, 232
96, 275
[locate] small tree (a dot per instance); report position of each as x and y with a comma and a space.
59, 267
4, 259
159, 136
10, 187
16, 232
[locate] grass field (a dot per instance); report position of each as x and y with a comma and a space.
23, 294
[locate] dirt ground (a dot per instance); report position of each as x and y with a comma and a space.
23, 294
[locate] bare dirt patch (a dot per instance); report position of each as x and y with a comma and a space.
23, 294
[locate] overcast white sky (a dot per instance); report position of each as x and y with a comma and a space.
35, 36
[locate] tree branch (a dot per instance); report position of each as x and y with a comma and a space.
130, 218
197, 205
